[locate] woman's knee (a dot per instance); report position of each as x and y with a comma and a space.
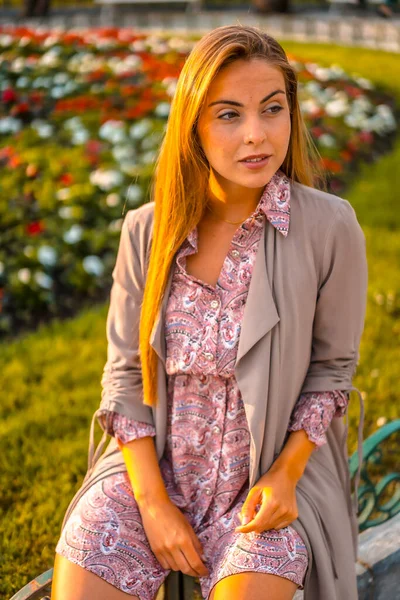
72, 582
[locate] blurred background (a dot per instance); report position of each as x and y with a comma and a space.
84, 100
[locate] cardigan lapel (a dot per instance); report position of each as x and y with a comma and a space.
260, 313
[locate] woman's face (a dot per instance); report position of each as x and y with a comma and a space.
246, 113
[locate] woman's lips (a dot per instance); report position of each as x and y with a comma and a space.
255, 164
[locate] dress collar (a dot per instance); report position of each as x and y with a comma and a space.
274, 204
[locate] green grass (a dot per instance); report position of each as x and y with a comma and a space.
50, 379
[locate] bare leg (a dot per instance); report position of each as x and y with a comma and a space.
257, 586
72, 582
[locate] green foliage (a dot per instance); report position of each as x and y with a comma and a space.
50, 379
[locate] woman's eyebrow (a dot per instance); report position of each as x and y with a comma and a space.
233, 103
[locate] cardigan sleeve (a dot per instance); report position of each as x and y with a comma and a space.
314, 412
340, 306
122, 390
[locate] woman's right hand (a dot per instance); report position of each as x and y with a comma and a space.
172, 538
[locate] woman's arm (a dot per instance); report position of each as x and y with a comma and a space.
141, 461
294, 456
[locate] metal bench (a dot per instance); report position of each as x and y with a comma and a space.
379, 503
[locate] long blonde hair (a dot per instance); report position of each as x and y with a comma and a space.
180, 181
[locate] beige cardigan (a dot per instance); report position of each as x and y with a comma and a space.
301, 330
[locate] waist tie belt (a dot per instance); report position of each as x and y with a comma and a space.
94, 455
359, 446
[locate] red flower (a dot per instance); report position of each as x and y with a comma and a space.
66, 179
366, 137
9, 95
35, 228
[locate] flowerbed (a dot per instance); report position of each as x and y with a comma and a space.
81, 118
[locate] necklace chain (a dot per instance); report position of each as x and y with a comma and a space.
226, 220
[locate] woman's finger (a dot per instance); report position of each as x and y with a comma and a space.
249, 507
163, 561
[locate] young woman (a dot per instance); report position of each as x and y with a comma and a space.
227, 458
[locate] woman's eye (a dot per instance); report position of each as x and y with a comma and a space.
227, 115
271, 109
275, 109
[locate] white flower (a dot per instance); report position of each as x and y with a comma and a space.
366, 84
49, 59
57, 92
51, 40
73, 235
113, 131
93, 265
337, 107
17, 65
386, 113
22, 82
10, 125
66, 212
24, 275
123, 152
6, 40
106, 179
73, 124
138, 46
47, 256
60, 78
63, 194
141, 128
163, 109
134, 194
44, 280
309, 106
148, 158
80, 137
113, 200
43, 129
327, 140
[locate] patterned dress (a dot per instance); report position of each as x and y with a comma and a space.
205, 465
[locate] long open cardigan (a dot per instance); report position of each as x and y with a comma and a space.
300, 332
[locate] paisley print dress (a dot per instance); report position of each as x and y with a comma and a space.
205, 465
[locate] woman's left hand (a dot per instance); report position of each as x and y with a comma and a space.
275, 492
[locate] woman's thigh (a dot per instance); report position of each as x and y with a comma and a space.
258, 586
72, 582
278, 553
104, 535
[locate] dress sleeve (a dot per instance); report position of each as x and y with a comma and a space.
314, 412
123, 428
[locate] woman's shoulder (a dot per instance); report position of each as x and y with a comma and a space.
318, 202
319, 207
141, 216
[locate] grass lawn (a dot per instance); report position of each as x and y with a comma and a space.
51, 378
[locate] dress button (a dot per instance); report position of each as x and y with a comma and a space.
208, 355
216, 429
208, 491
235, 253
214, 304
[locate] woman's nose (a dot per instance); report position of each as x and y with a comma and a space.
254, 132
